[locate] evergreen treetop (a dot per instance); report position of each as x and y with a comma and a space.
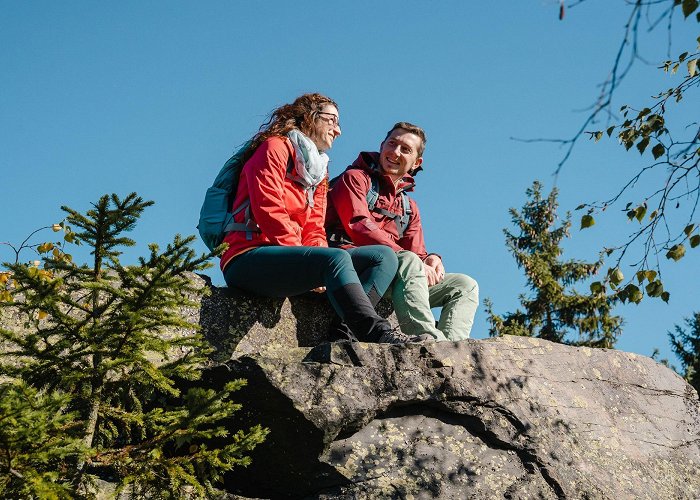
555, 310
110, 341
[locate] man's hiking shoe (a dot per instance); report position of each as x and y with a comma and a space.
424, 338
396, 337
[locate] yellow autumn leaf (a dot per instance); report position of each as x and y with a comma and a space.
43, 314
45, 275
45, 247
692, 67
616, 276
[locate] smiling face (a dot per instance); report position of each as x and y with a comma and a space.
326, 127
398, 155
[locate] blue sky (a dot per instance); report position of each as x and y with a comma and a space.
153, 97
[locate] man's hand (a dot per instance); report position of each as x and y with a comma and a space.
434, 270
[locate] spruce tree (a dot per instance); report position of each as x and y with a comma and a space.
554, 310
686, 346
107, 339
35, 440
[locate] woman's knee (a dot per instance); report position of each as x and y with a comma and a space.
336, 258
374, 255
337, 268
386, 256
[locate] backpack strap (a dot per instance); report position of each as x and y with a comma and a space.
373, 195
338, 236
401, 220
249, 226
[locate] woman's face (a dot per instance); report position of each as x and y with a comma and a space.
326, 127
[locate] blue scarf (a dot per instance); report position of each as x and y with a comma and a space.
311, 166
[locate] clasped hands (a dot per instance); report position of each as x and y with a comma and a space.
434, 270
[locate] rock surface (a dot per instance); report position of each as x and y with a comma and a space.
510, 417
237, 324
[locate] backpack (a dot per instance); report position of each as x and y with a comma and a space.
401, 220
215, 216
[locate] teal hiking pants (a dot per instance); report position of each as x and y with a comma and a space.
283, 271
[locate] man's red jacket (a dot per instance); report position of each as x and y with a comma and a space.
348, 214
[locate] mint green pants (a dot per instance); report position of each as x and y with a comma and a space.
413, 299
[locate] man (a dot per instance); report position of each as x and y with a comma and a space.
394, 220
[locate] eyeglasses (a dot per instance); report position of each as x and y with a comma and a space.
333, 119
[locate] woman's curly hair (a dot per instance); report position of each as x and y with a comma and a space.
300, 115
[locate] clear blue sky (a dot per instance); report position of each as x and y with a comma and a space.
154, 96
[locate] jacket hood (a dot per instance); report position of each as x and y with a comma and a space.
369, 162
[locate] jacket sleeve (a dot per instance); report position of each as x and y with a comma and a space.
349, 197
266, 187
314, 234
413, 239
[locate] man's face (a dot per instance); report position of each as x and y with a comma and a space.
399, 154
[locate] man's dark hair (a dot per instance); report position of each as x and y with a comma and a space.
414, 129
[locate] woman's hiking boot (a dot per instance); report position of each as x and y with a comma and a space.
339, 330
362, 323
358, 313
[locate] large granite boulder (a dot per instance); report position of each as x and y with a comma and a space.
236, 324
509, 417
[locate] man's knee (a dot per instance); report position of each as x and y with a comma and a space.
468, 283
463, 285
410, 265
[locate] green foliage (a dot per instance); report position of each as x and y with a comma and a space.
109, 339
587, 221
688, 6
686, 346
556, 309
36, 436
673, 146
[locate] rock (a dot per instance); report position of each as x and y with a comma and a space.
237, 324
510, 417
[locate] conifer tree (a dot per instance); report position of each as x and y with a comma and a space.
686, 345
35, 438
106, 339
555, 310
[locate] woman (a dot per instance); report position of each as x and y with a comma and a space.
279, 248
